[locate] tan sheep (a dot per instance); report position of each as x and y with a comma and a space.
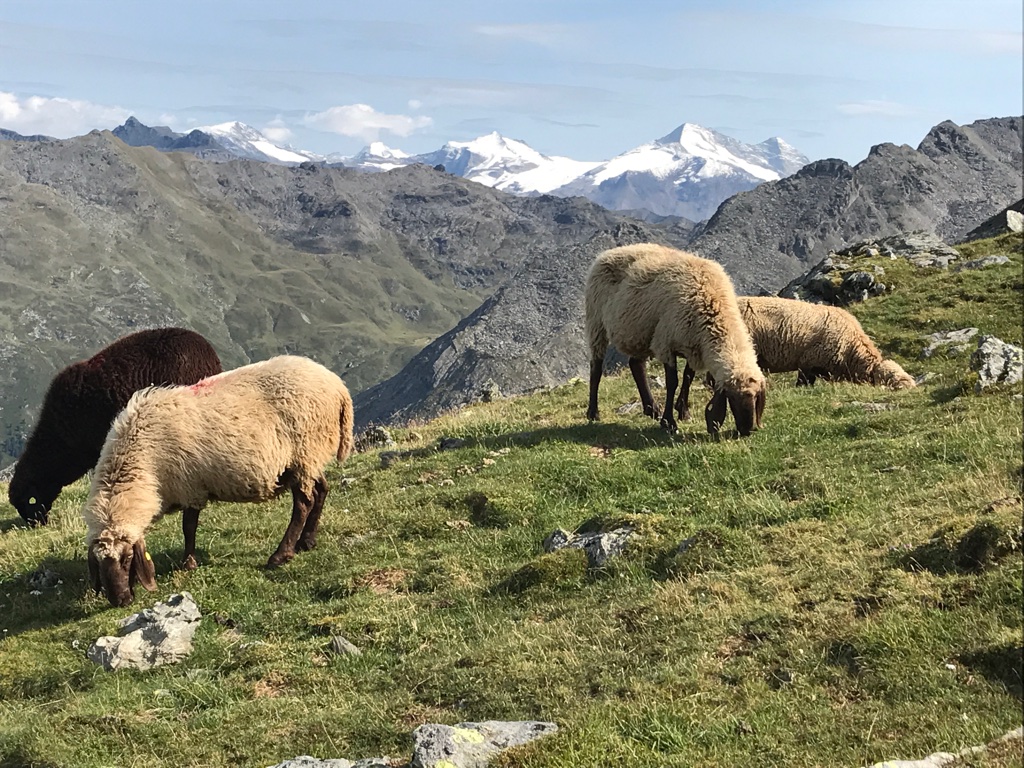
246, 435
812, 339
651, 300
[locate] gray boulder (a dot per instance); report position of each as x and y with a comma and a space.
955, 341
305, 761
985, 261
471, 745
997, 362
599, 547
938, 759
150, 638
1010, 219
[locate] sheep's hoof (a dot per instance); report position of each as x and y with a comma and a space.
593, 417
189, 564
684, 415
305, 545
277, 560
652, 411
669, 426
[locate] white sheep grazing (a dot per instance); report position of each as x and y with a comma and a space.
812, 339
245, 435
651, 300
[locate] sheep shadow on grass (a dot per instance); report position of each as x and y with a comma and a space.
642, 436
11, 523
58, 592
54, 593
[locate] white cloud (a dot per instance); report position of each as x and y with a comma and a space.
547, 35
277, 131
415, 104
60, 118
364, 122
875, 108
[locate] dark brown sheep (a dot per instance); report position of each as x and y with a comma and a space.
83, 400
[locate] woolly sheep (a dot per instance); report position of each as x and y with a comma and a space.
82, 401
246, 435
812, 339
651, 300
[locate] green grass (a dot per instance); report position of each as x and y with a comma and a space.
852, 592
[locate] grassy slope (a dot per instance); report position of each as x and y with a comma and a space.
196, 262
824, 615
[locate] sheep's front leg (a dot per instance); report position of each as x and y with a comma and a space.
189, 524
668, 422
307, 540
301, 506
638, 367
683, 403
596, 369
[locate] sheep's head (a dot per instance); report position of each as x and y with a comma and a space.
31, 498
116, 565
888, 373
746, 400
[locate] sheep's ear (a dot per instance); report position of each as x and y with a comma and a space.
94, 571
759, 402
143, 569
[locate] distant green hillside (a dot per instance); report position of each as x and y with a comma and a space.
849, 591
357, 270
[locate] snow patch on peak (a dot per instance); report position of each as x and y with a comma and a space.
245, 141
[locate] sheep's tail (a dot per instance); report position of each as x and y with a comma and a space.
346, 419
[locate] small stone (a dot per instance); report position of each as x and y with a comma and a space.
958, 340
342, 647
374, 437
599, 547
43, 578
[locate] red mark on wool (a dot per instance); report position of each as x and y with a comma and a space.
201, 386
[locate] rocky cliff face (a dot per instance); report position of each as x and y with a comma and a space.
528, 335
957, 177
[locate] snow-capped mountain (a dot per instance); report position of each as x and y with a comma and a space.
506, 164
688, 172
245, 141
378, 156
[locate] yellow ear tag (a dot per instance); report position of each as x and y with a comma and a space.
149, 556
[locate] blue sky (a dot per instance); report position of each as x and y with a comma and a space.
587, 79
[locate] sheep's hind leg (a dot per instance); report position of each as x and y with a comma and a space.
307, 540
805, 378
301, 505
638, 367
189, 524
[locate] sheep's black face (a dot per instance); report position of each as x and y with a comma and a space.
32, 504
115, 567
